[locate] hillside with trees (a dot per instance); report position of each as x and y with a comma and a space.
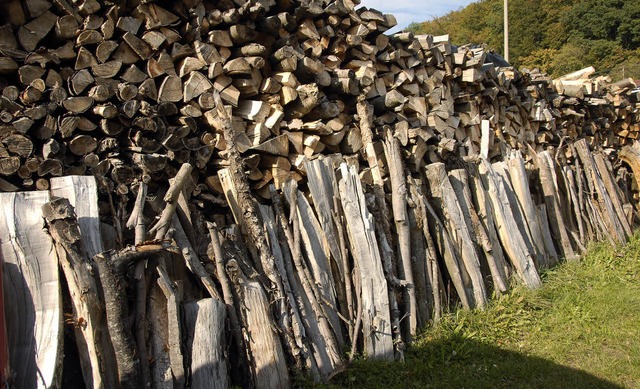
557, 36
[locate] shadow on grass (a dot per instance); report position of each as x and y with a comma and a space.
457, 362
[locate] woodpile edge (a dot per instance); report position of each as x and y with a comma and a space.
238, 191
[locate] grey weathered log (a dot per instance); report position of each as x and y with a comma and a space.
227, 295
268, 360
442, 190
376, 321
32, 294
509, 233
401, 219
520, 181
460, 183
546, 168
205, 324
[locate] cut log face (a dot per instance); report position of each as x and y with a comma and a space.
32, 290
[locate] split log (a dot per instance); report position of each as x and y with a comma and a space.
94, 348
269, 367
32, 291
520, 181
174, 328
82, 193
317, 256
376, 322
603, 199
398, 199
324, 190
613, 190
204, 322
550, 191
326, 353
493, 255
501, 169
513, 243
455, 267
442, 190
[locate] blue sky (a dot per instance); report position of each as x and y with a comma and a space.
407, 11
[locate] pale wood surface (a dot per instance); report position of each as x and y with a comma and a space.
204, 320
31, 291
510, 237
83, 196
376, 322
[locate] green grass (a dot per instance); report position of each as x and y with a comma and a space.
580, 330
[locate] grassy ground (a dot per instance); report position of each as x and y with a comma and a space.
580, 330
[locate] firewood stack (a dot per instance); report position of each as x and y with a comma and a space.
278, 182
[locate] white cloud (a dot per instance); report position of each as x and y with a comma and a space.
408, 11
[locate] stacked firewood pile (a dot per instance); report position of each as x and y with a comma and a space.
279, 182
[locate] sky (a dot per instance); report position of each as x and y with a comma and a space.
408, 11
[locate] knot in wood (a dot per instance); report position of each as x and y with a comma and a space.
58, 209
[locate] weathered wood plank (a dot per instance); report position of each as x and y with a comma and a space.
317, 255
498, 266
520, 184
613, 223
324, 192
376, 321
549, 186
82, 193
268, 360
205, 324
613, 190
442, 190
31, 290
510, 236
399, 207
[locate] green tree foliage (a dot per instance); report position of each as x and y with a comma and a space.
556, 36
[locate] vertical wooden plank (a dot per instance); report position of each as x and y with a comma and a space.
549, 186
442, 190
510, 236
323, 187
376, 321
317, 253
268, 360
158, 340
482, 202
485, 139
82, 193
520, 183
501, 169
31, 285
612, 190
205, 322
173, 296
399, 207
603, 200
460, 183
546, 230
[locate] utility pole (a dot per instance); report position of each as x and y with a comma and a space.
506, 30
